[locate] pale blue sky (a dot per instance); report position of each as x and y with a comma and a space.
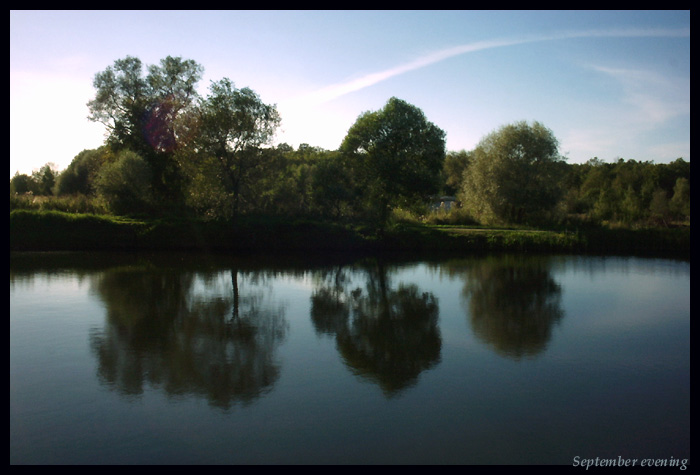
608, 84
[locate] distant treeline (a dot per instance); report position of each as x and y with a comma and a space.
309, 182
624, 192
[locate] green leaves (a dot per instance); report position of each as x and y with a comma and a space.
512, 176
125, 184
232, 126
397, 154
235, 119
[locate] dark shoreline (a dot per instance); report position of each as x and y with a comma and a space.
57, 231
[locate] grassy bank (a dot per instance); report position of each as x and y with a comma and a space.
53, 231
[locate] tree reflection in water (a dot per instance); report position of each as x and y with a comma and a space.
384, 334
513, 302
161, 332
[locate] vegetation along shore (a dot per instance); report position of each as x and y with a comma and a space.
60, 231
180, 171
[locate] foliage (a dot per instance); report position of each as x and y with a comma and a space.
57, 230
140, 114
456, 215
45, 178
332, 187
21, 183
52, 230
680, 202
628, 192
67, 203
169, 152
126, 184
396, 156
513, 175
79, 176
232, 125
455, 165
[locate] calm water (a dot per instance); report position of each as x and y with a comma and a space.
214, 360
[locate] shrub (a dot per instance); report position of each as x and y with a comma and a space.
125, 184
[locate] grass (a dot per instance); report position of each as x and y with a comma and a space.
47, 230
69, 204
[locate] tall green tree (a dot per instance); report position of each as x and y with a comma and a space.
659, 208
680, 202
455, 165
45, 178
397, 156
120, 100
233, 124
140, 112
332, 186
514, 175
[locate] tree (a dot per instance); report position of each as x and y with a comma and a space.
659, 207
22, 183
631, 209
156, 318
332, 188
45, 178
397, 156
514, 302
453, 169
513, 176
232, 126
387, 334
79, 176
680, 202
125, 184
140, 113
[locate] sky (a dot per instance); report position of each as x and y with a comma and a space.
608, 84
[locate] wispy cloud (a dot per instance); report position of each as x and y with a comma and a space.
651, 106
337, 90
653, 98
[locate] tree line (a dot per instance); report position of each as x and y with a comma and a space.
169, 151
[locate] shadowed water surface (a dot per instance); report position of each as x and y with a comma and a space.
206, 359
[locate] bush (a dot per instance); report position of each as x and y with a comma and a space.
125, 184
78, 178
455, 216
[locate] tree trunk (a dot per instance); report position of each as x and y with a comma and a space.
236, 296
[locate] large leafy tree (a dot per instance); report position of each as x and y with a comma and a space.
45, 179
232, 126
140, 113
513, 176
397, 156
80, 175
22, 183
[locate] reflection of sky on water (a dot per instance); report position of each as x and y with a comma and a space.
626, 289
61, 286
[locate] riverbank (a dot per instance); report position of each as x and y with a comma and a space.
58, 231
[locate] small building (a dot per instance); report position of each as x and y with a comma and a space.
442, 203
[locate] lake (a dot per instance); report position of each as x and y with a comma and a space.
210, 359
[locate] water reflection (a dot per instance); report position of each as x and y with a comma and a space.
162, 332
513, 303
215, 331
200, 334
385, 334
